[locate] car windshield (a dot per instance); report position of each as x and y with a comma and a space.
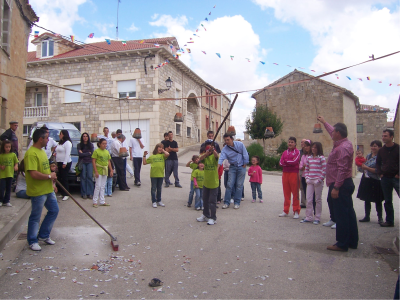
73, 134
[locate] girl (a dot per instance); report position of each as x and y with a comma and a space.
255, 174
306, 153
315, 172
8, 164
157, 161
20, 188
198, 180
63, 158
290, 179
85, 151
101, 161
193, 164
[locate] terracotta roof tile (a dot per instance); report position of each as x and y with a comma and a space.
104, 48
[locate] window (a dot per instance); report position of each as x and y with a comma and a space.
216, 125
216, 106
207, 123
76, 124
188, 131
47, 48
3, 113
360, 128
212, 126
72, 97
178, 129
127, 88
178, 95
27, 129
5, 26
39, 99
207, 96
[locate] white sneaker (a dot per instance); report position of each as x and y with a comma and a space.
236, 206
35, 247
211, 222
65, 198
199, 208
283, 214
155, 205
48, 241
225, 206
333, 226
160, 204
296, 215
329, 223
8, 204
1, 203
203, 218
232, 201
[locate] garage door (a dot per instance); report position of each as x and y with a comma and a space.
128, 127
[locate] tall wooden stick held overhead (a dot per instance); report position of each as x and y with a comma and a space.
223, 122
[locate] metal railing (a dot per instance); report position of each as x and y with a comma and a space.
36, 111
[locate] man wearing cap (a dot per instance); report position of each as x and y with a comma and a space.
238, 158
10, 135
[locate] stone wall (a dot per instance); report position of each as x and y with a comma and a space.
373, 123
298, 106
12, 91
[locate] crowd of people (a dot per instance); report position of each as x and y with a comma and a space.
47, 162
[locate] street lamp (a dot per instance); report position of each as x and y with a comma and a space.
168, 83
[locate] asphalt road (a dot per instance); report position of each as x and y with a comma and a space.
249, 253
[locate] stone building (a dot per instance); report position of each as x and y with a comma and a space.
299, 104
134, 74
14, 32
371, 121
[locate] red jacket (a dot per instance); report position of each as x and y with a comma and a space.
220, 171
290, 160
360, 161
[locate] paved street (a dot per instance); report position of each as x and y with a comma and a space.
249, 253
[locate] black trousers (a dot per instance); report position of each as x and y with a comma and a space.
120, 164
63, 176
331, 203
346, 220
210, 203
378, 206
5, 189
137, 166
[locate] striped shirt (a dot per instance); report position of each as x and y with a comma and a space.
315, 167
340, 160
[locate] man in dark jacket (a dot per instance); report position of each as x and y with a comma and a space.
387, 166
10, 135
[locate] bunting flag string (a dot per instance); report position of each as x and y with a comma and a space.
166, 62
123, 43
91, 35
36, 34
108, 41
72, 38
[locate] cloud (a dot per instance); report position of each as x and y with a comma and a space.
133, 28
228, 35
58, 16
104, 27
348, 32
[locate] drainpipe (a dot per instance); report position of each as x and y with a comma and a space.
148, 56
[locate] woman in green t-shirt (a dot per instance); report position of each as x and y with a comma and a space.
8, 164
157, 161
101, 164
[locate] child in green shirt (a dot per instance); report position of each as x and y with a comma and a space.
211, 183
157, 161
193, 164
101, 164
8, 164
198, 181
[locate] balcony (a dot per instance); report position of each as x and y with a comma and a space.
36, 111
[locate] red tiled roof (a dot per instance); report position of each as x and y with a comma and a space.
104, 48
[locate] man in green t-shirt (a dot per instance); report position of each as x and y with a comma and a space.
39, 182
210, 185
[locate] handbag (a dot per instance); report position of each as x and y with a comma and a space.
79, 165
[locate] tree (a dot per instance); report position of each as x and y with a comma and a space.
261, 118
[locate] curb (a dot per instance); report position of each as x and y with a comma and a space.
13, 227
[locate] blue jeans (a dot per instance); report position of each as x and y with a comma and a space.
87, 187
5, 189
346, 220
388, 184
22, 194
236, 177
256, 187
191, 193
226, 175
50, 202
171, 166
156, 187
108, 189
198, 202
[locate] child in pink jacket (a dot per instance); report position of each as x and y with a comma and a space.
255, 174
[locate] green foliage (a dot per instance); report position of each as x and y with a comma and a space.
267, 162
282, 147
260, 119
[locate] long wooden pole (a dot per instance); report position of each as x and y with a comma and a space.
226, 117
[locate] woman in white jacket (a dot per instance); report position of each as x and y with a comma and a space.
63, 158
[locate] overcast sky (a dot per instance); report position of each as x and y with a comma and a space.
310, 34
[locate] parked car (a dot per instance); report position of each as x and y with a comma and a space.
75, 135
